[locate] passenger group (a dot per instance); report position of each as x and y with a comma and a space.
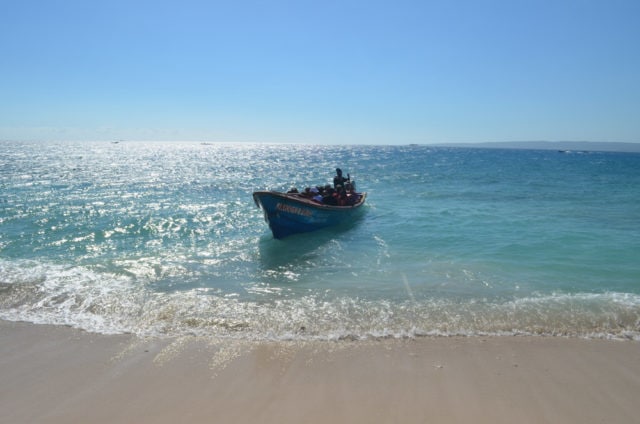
341, 194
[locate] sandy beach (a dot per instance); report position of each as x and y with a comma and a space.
61, 375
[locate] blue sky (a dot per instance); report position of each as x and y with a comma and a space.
352, 72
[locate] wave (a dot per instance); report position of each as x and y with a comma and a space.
112, 303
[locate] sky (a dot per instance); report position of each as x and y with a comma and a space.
324, 72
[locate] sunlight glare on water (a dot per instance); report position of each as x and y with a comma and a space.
164, 239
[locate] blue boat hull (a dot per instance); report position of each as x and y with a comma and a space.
289, 214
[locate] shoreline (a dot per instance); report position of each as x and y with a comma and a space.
53, 374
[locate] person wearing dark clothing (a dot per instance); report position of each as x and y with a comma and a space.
328, 197
339, 180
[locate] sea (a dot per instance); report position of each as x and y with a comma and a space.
163, 239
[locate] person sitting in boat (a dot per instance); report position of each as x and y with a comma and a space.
328, 196
341, 196
339, 180
316, 195
352, 196
307, 193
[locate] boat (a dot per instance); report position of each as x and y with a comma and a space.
292, 213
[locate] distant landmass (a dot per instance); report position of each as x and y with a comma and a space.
592, 146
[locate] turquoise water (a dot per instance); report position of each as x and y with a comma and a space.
163, 239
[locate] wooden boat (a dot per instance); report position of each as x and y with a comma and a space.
292, 213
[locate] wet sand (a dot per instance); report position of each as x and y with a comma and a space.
54, 374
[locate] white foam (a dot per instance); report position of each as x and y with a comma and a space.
106, 302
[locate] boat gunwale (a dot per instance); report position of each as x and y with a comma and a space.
296, 197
